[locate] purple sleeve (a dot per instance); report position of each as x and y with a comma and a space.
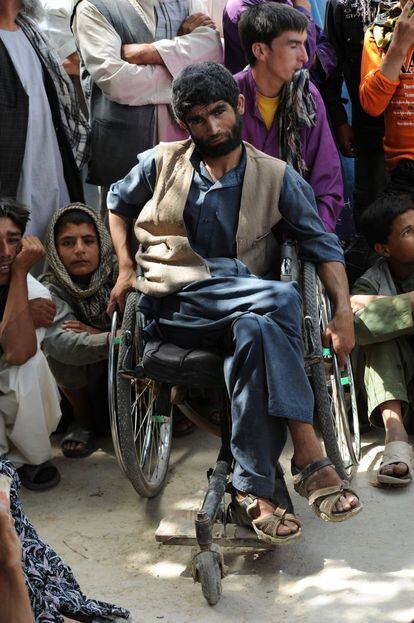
234, 58
324, 166
311, 40
326, 55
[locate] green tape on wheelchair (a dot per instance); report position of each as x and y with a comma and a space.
344, 380
326, 352
117, 340
159, 419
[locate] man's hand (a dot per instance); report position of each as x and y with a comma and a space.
346, 140
31, 252
403, 35
195, 21
358, 301
71, 64
302, 3
340, 331
126, 281
402, 39
141, 54
43, 312
79, 327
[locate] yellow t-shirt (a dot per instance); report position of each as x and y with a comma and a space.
268, 107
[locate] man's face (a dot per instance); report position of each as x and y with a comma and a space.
10, 239
78, 249
400, 244
215, 128
285, 55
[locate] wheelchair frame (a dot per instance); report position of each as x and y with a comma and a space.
141, 429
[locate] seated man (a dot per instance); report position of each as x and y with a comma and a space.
383, 302
81, 277
29, 400
284, 114
205, 210
387, 81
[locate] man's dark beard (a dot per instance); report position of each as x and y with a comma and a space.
225, 147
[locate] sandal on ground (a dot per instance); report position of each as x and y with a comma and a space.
266, 526
39, 477
324, 499
396, 452
82, 436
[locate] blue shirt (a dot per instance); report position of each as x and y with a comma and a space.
212, 209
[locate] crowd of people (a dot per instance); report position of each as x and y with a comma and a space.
193, 131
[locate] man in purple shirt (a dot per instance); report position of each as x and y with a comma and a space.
284, 113
321, 54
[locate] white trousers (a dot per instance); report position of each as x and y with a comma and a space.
29, 410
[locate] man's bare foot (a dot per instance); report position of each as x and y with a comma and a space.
265, 507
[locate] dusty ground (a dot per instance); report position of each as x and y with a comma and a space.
358, 571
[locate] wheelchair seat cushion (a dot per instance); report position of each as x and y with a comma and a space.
180, 366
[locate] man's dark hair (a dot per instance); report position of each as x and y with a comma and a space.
261, 23
18, 213
202, 84
376, 221
73, 217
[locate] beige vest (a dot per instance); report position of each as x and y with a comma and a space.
165, 259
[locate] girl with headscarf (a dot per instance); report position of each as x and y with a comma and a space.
80, 279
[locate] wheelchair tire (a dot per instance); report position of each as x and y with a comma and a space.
112, 374
206, 570
144, 413
335, 399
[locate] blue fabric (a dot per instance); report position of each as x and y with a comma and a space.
219, 204
256, 324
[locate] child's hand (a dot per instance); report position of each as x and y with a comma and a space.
78, 327
358, 301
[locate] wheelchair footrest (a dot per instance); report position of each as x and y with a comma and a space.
178, 528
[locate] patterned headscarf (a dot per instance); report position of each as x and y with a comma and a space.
384, 24
297, 111
74, 124
91, 301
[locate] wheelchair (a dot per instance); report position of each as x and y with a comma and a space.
149, 379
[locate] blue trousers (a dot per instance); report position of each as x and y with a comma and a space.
258, 326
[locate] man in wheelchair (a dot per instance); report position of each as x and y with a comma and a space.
206, 209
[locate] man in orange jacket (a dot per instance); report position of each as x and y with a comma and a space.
387, 86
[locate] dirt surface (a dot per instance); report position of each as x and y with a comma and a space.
358, 571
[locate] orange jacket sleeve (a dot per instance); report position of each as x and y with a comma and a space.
375, 90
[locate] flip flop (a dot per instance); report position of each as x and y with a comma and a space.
266, 526
39, 477
79, 435
396, 452
324, 499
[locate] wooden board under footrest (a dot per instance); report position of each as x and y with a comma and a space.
178, 528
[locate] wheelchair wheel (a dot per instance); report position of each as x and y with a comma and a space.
143, 413
334, 391
206, 570
112, 372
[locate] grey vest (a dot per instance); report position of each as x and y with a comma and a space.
14, 114
121, 132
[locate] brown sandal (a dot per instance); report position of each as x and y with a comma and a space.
324, 499
265, 527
